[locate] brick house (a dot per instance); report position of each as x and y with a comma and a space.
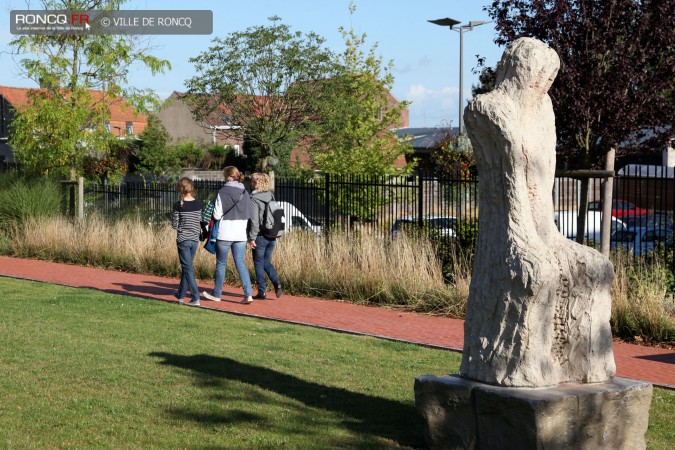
177, 118
123, 122
180, 123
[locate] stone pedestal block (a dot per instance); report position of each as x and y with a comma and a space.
465, 414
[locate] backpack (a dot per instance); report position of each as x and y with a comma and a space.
274, 220
207, 211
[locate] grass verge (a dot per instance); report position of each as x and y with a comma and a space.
85, 369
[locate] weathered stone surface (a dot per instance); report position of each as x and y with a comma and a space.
539, 304
465, 414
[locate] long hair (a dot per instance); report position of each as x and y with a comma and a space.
262, 181
185, 187
233, 172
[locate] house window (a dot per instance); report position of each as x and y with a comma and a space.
107, 126
130, 128
237, 150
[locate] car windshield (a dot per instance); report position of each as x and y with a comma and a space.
316, 223
623, 236
656, 236
649, 220
400, 222
442, 222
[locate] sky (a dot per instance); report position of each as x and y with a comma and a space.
426, 56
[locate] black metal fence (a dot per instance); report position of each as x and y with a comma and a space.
643, 204
342, 202
382, 203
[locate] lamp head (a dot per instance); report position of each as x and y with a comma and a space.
446, 22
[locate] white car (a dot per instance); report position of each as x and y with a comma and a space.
567, 224
296, 220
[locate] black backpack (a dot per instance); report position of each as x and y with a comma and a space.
274, 220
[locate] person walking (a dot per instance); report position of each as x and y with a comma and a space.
233, 209
262, 247
185, 218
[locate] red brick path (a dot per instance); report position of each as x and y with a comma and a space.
650, 364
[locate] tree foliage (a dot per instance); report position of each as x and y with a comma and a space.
63, 121
155, 155
50, 134
617, 65
454, 158
262, 76
354, 111
350, 137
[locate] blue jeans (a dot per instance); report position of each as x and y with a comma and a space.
186, 254
238, 252
262, 261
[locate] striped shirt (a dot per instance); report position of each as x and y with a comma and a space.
185, 220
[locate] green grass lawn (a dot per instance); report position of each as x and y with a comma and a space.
85, 369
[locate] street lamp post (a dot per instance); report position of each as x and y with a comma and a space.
454, 25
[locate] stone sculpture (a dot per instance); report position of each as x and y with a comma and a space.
538, 368
539, 304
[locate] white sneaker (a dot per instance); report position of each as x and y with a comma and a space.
210, 297
247, 300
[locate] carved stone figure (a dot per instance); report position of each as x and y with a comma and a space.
539, 304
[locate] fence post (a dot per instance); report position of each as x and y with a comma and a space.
420, 199
80, 198
607, 189
326, 208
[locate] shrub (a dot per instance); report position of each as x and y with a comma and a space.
24, 199
189, 153
219, 151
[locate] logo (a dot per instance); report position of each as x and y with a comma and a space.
50, 22
52, 19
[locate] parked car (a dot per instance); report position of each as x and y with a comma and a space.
620, 208
296, 220
443, 224
567, 224
654, 220
641, 240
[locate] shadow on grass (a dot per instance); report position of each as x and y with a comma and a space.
368, 415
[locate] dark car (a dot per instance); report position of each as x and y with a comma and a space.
641, 241
442, 224
653, 221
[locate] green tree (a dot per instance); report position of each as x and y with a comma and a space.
65, 120
262, 77
350, 135
354, 111
155, 155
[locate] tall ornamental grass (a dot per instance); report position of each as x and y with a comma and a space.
641, 311
22, 200
362, 268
